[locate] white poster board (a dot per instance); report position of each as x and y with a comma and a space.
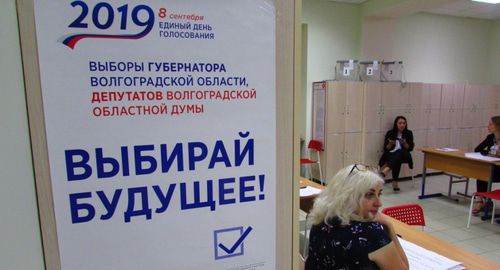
160, 122
319, 112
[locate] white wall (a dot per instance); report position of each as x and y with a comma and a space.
494, 53
434, 48
20, 244
333, 34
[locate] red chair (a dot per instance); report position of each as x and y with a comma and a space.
493, 195
318, 147
411, 214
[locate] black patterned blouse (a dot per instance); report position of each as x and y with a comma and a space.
345, 247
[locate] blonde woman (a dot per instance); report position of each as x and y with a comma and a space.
348, 230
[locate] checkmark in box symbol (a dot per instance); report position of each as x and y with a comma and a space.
230, 242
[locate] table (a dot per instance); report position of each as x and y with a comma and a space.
425, 240
306, 202
457, 163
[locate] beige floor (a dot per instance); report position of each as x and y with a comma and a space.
447, 219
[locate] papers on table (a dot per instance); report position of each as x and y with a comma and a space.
308, 191
421, 258
447, 149
481, 157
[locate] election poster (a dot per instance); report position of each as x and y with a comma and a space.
160, 120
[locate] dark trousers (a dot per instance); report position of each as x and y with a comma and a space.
394, 161
482, 186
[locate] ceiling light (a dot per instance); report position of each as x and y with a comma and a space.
488, 1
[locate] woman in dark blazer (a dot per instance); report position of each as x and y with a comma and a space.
398, 144
490, 146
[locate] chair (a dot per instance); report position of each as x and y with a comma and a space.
493, 195
318, 147
411, 214
411, 173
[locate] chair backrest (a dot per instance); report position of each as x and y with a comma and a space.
411, 214
316, 145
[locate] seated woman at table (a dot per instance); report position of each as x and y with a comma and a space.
489, 146
348, 231
398, 144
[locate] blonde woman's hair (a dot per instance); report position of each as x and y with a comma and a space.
344, 194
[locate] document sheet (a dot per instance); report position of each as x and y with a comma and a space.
423, 259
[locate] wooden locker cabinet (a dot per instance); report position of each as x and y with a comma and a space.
373, 147
414, 111
343, 149
394, 102
354, 107
385, 101
431, 101
336, 106
452, 99
467, 139
358, 114
471, 113
352, 148
496, 97
455, 136
420, 140
344, 109
344, 106
373, 109
334, 154
438, 137
489, 103
457, 106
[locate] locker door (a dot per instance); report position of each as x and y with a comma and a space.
420, 138
372, 106
336, 106
477, 136
455, 139
433, 141
335, 154
352, 148
373, 143
395, 102
443, 137
457, 105
432, 102
447, 92
483, 133
393, 95
470, 110
487, 104
467, 139
354, 107
432, 138
418, 162
415, 106
496, 97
